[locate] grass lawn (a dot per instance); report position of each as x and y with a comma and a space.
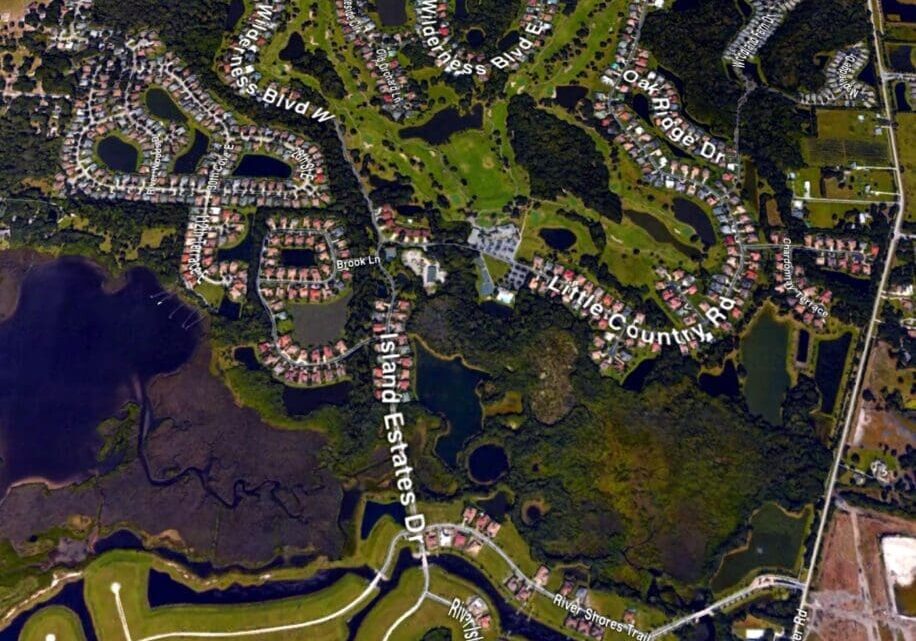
152, 237
53, 620
826, 215
395, 603
906, 146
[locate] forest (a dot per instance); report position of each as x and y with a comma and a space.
688, 44
789, 58
560, 157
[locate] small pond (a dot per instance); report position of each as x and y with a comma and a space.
557, 238
487, 463
261, 166
160, 104
118, 155
568, 96
438, 129
689, 212
375, 511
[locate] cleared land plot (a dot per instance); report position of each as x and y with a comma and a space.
846, 136
775, 542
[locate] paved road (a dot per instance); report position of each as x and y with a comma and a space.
876, 18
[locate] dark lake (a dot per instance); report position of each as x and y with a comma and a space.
636, 380
475, 38
509, 40
160, 104
247, 357
641, 106
294, 49
801, 351
568, 96
229, 309
187, 162
901, 57
689, 212
70, 597
901, 99
488, 463
660, 233
496, 506
162, 590
726, 383
298, 257
763, 354
905, 10
299, 401
557, 238
236, 10
261, 166
118, 155
375, 511
449, 388
831, 360
71, 355
393, 13
438, 129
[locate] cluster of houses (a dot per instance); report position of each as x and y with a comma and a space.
472, 518
393, 229
379, 51
801, 298
478, 612
766, 17
579, 622
628, 38
303, 367
611, 351
208, 230
460, 59
318, 242
841, 86
664, 110
849, 255
114, 103
391, 374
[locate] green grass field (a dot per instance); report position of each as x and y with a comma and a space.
845, 136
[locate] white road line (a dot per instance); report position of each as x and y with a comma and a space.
798, 630
416, 606
116, 590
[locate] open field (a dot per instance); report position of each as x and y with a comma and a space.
55, 620
846, 136
906, 146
